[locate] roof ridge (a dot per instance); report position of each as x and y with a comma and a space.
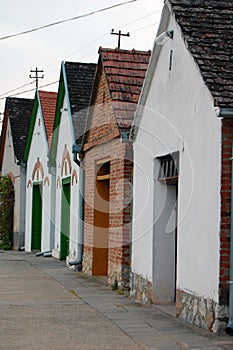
80, 63
143, 52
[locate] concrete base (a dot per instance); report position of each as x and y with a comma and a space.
56, 254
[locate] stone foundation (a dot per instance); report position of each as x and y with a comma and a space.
87, 262
76, 267
118, 275
203, 313
140, 288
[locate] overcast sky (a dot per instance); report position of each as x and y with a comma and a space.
76, 41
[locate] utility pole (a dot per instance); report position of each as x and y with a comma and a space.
119, 36
37, 77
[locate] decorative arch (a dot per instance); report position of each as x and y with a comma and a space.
11, 176
29, 184
58, 182
46, 181
66, 166
74, 177
38, 171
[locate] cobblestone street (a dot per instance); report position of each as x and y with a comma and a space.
45, 305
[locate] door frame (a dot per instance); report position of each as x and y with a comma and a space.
65, 236
165, 223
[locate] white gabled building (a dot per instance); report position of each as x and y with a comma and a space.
17, 115
182, 168
39, 223
74, 92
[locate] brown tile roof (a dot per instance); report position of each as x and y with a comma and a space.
207, 26
48, 104
125, 72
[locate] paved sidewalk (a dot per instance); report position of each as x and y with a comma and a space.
45, 305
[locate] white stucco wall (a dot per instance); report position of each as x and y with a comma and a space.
66, 139
9, 166
179, 116
38, 150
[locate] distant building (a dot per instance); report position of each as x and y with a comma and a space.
17, 115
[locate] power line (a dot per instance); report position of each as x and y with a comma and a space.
52, 83
19, 87
149, 25
66, 20
33, 89
104, 35
139, 19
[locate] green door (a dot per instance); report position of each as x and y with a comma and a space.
36, 217
65, 219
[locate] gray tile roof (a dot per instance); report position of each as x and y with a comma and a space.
20, 111
80, 77
207, 26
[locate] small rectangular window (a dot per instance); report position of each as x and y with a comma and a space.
169, 171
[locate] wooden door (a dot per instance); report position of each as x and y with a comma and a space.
36, 217
101, 228
65, 221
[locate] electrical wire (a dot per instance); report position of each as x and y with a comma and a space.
104, 35
55, 82
33, 89
66, 20
19, 87
149, 25
85, 46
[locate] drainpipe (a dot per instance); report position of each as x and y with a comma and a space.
76, 150
228, 113
229, 327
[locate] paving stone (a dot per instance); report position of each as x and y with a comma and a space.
44, 304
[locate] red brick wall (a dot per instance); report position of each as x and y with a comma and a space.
227, 138
103, 142
101, 123
119, 207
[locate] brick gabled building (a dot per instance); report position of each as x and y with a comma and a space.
108, 163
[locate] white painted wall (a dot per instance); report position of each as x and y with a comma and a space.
179, 116
9, 165
66, 137
38, 149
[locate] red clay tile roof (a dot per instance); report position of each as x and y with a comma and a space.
207, 26
48, 104
125, 72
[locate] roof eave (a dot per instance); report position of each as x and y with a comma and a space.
31, 127
163, 27
60, 99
